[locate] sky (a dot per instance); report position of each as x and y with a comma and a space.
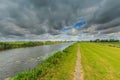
24, 20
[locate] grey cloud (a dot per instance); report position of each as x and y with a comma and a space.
108, 25
106, 18
108, 11
111, 30
21, 18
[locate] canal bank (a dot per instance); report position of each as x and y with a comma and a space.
59, 66
14, 61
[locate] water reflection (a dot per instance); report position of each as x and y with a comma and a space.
15, 61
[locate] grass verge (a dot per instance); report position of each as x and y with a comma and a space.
60, 66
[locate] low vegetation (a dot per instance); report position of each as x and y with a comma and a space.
111, 44
105, 40
60, 66
11, 45
100, 61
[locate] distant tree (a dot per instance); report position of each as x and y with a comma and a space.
97, 40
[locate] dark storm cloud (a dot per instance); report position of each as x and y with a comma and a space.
108, 11
26, 18
111, 30
106, 19
108, 25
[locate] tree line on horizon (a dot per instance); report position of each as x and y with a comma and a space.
105, 40
11, 45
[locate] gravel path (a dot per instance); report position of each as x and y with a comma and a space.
78, 69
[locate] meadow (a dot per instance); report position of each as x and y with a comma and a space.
100, 61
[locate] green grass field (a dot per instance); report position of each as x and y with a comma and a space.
111, 44
100, 61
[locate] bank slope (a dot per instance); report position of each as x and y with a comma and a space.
60, 66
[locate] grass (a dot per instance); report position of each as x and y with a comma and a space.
100, 61
60, 66
11, 45
112, 44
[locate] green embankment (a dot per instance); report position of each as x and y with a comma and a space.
60, 66
100, 61
11, 45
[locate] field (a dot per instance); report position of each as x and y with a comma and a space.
100, 61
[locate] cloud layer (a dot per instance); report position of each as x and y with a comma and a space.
43, 19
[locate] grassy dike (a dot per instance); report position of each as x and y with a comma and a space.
100, 62
60, 66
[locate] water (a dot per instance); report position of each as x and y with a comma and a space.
15, 61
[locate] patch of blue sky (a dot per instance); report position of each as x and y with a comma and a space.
79, 24
76, 25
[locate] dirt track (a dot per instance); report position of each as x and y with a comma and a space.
78, 69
